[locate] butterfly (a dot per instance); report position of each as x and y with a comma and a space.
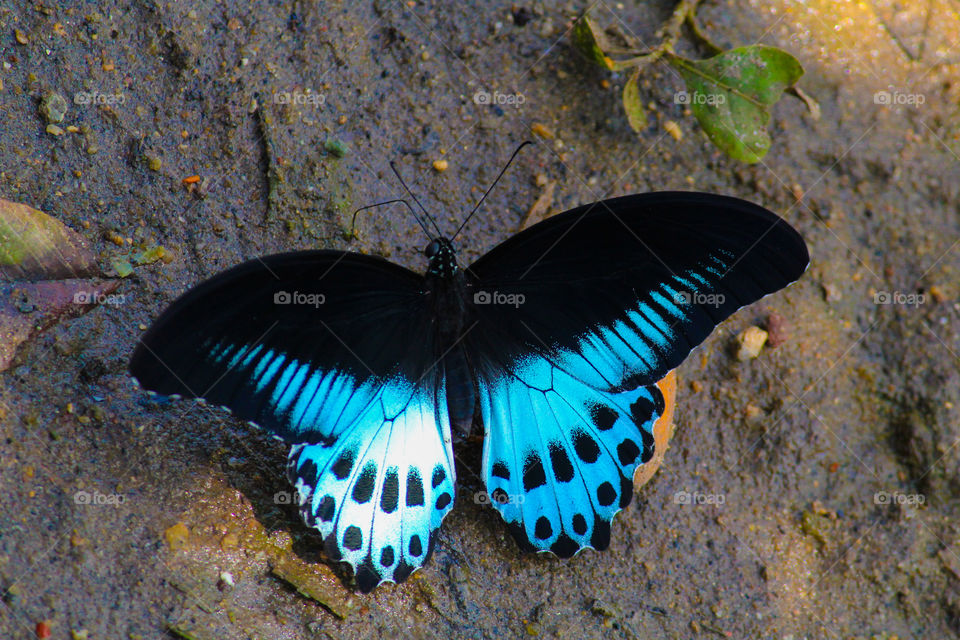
557, 338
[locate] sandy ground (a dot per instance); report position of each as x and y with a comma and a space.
820, 449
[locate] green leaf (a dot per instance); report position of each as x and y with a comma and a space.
587, 38
730, 95
35, 246
632, 104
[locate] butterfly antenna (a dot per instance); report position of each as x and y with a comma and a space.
502, 171
353, 222
427, 231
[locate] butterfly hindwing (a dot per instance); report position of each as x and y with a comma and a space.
334, 353
559, 454
378, 492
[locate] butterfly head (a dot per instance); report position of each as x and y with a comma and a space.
443, 258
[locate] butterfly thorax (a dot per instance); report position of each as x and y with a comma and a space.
447, 287
443, 258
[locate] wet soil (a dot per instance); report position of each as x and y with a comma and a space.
834, 454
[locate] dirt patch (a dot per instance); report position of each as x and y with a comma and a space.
288, 115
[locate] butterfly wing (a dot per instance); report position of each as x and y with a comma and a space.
317, 348
577, 318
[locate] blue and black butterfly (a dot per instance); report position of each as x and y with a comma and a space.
558, 336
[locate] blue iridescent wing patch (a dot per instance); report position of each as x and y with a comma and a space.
559, 455
379, 485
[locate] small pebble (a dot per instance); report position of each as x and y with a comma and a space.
749, 342
21, 36
440, 165
542, 130
335, 148
674, 130
177, 535
831, 292
777, 330
153, 161
54, 130
53, 107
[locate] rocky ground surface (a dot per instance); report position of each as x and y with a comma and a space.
823, 474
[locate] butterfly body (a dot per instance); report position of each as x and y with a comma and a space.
563, 340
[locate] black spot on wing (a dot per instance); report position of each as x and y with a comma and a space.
565, 546
626, 491
585, 446
332, 548
602, 416
543, 528
387, 556
560, 461
606, 494
627, 452
390, 495
328, 507
533, 474
443, 500
308, 473
439, 475
414, 488
520, 535
363, 490
415, 547
600, 539
579, 524
500, 470
368, 577
341, 468
658, 400
642, 410
648, 446
353, 538
402, 572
